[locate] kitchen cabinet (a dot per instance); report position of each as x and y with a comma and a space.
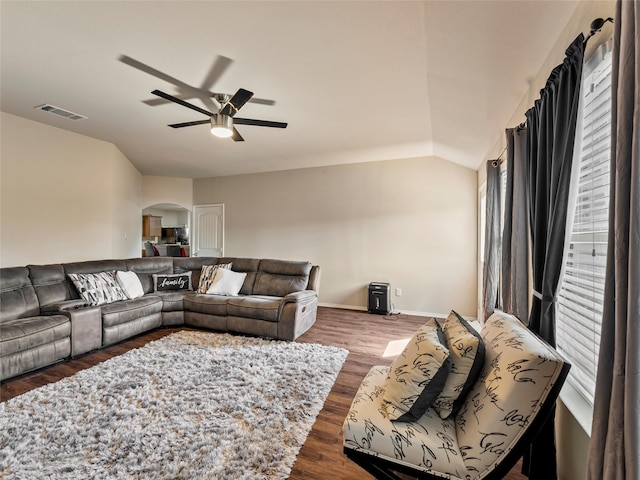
151, 226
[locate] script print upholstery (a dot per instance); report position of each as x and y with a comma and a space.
418, 374
467, 358
518, 373
428, 444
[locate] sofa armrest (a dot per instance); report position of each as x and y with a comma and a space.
297, 314
86, 329
303, 296
65, 306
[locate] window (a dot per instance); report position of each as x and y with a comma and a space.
580, 299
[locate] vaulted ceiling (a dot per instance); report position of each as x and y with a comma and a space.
356, 81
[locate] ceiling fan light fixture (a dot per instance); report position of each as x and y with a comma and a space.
221, 125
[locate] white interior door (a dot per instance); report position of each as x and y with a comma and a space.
208, 231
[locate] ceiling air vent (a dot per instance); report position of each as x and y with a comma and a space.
61, 112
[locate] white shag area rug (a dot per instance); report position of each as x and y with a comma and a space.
192, 405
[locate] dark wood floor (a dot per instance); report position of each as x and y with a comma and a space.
365, 336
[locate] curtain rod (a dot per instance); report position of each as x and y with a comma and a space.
596, 26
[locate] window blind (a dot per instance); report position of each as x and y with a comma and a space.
580, 299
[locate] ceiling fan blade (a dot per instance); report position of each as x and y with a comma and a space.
236, 102
151, 71
236, 136
217, 69
189, 124
259, 123
181, 102
262, 101
154, 102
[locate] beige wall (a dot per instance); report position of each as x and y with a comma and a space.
572, 440
408, 222
64, 197
158, 190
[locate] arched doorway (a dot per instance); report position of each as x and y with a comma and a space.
166, 228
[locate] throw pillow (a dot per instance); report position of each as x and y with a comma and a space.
177, 281
130, 284
226, 282
467, 359
206, 276
97, 288
418, 375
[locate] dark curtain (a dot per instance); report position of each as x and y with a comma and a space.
491, 273
551, 127
614, 452
515, 236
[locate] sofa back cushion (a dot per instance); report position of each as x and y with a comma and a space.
193, 265
249, 266
243, 265
98, 288
51, 283
518, 375
17, 296
280, 277
92, 266
146, 267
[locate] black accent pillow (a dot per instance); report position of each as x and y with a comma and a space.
177, 281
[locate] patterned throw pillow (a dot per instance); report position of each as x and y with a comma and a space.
418, 375
177, 281
467, 359
226, 282
97, 288
206, 276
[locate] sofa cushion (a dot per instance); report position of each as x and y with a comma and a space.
51, 284
92, 266
130, 284
172, 282
226, 282
98, 288
130, 310
429, 443
17, 296
206, 275
207, 304
193, 265
173, 300
279, 277
254, 306
418, 374
147, 266
95, 266
467, 358
245, 265
26, 333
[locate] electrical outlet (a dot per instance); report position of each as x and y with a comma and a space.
398, 292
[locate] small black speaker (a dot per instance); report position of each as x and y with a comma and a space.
379, 299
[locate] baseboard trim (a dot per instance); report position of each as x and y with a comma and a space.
394, 311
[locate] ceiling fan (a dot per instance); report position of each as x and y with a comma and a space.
185, 91
222, 123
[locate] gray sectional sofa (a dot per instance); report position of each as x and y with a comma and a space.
43, 319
